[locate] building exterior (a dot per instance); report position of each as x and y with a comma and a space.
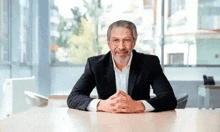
191, 32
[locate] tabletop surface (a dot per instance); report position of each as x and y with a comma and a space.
210, 86
58, 119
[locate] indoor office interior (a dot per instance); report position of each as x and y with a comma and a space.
52, 39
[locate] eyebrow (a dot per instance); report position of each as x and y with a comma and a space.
123, 38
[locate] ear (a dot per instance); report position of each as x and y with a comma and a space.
108, 42
133, 45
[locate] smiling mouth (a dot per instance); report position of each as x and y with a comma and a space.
121, 52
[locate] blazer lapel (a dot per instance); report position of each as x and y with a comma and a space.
134, 71
110, 76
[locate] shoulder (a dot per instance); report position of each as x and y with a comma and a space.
100, 59
145, 57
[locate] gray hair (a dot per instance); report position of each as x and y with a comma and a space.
125, 24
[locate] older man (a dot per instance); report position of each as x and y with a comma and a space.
122, 78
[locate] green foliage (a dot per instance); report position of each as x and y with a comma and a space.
62, 29
81, 47
94, 10
77, 27
81, 37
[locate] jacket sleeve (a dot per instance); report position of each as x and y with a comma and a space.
79, 96
165, 98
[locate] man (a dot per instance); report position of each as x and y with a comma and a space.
122, 78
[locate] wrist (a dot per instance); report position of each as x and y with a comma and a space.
100, 106
140, 106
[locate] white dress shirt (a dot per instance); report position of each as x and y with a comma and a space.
121, 78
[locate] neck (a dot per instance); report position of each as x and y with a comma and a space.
121, 66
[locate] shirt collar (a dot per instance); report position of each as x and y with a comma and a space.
129, 63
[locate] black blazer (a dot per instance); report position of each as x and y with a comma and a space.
145, 70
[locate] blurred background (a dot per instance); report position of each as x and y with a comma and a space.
52, 39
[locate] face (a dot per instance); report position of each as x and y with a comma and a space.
121, 44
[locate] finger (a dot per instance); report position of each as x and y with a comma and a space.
117, 100
113, 102
119, 110
129, 97
115, 95
121, 98
123, 105
114, 109
124, 111
123, 108
123, 93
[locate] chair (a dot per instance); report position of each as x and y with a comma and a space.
14, 100
35, 99
181, 100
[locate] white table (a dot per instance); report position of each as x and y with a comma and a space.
205, 92
55, 119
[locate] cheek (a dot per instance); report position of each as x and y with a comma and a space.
112, 48
130, 47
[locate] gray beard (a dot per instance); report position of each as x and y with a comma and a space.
124, 60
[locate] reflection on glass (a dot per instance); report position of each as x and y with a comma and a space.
192, 34
82, 27
4, 41
192, 29
25, 31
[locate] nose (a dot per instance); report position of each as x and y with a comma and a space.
121, 45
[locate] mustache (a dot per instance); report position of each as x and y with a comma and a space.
121, 51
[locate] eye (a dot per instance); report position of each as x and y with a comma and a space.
127, 40
115, 40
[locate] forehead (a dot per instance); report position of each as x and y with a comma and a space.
121, 32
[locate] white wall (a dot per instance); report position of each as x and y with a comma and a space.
191, 73
188, 50
64, 78
207, 49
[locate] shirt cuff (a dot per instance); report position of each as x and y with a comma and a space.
93, 105
148, 107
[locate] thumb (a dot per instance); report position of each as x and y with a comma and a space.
125, 94
115, 95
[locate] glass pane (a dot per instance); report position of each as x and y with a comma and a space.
184, 45
192, 28
78, 28
176, 59
4, 33
25, 31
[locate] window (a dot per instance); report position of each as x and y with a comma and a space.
147, 3
78, 29
175, 6
25, 31
81, 30
4, 30
192, 29
22, 33
209, 16
176, 59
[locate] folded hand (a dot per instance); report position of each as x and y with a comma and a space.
120, 102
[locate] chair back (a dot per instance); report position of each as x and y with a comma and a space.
36, 99
14, 100
181, 100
